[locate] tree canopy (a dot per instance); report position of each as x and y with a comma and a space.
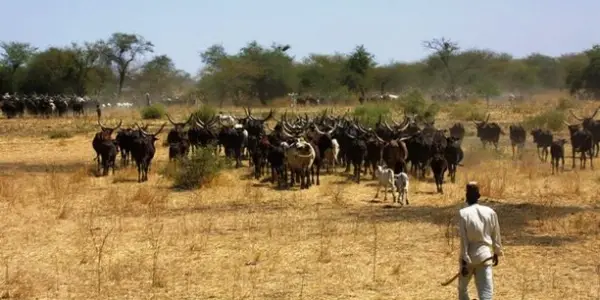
259, 74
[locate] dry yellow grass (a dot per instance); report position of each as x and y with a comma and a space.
66, 234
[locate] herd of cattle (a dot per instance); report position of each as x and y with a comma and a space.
43, 105
300, 146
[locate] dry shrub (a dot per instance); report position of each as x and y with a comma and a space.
60, 134
196, 171
154, 200
124, 175
9, 189
467, 111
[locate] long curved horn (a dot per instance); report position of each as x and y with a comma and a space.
488, 118
566, 123
318, 130
142, 131
189, 119
595, 112
379, 139
102, 126
160, 129
388, 126
170, 120
269, 116
405, 126
332, 129
575, 116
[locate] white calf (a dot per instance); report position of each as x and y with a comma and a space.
331, 155
385, 177
401, 183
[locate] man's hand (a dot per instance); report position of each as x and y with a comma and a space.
495, 260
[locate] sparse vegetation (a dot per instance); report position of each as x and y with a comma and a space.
60, 134
369, 113
153, 112
205, 112
221, 234
415, 103
197, 170
467, 111
550, 119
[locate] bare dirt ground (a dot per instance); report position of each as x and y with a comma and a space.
66, 234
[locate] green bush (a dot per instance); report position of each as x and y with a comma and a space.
197, 170
467, 112
205, 113
153, 112
414, 103
550, 119
60, 134
368, 114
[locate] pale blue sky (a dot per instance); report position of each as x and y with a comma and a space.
392, 30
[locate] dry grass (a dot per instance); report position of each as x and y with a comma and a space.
66, 234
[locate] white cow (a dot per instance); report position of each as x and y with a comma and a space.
385, 177
401, 183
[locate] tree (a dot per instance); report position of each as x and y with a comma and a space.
16, 55
445, 50
157, 75
358, 70
122, 49
53, 71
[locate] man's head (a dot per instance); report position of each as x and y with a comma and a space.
472, 192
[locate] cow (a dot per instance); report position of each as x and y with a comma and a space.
488, 132
517, 136
104, 147
385, 177
457, 130
178, 138
401, 183
356, 154
557, 152
439, 166
593, 126
543, 140
299, 158
453, 154
582, 141
143, 151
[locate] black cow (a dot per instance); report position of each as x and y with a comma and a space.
454, 155
177, 138
488, 132
105, 147
542, 139
517, 135
457, 130
143, 151
582, 141
439, 166
356, 154
232, 139
557, 152
374, 150
593, 126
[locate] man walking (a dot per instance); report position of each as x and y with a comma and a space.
479, 234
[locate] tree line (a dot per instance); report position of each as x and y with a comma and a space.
259, 73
